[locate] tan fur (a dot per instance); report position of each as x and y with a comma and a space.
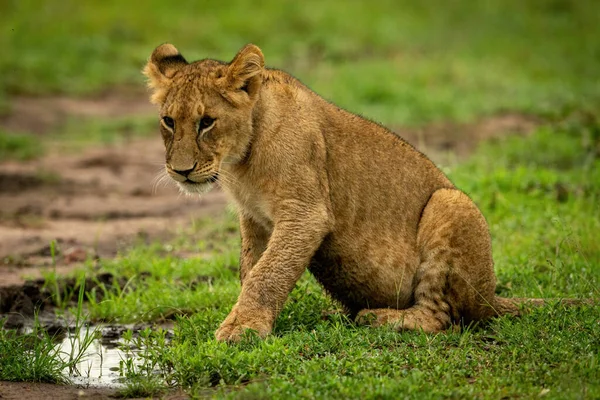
380, 227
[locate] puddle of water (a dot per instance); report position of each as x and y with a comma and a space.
99, 366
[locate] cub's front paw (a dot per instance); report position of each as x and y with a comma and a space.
236, 323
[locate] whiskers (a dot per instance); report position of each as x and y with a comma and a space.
162, 179
227, 179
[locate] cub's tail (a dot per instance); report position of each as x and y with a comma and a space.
517, 306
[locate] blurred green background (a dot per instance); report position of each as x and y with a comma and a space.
400, 62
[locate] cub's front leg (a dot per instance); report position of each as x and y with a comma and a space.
254, 243
296, 236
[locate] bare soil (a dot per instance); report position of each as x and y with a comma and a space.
442, 141
38, 391
30, 390
42, 114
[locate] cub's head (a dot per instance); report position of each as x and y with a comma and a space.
205, 111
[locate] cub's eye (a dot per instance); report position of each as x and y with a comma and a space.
204, 123
169, 122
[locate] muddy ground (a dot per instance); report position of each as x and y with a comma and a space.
98, 201
37, 391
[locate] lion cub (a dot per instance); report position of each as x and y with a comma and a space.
379, 226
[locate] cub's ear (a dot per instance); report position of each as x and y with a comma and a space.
244, 71
164, 62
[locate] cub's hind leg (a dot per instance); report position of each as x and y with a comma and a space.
431, 311
455, 279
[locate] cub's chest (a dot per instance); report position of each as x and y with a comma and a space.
252, 202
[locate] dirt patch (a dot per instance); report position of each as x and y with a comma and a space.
439, 139
10, 183
26, 391
43, 114
36, 391
91, 205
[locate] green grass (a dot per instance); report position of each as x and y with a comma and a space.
541, 196
335, 359
400, 62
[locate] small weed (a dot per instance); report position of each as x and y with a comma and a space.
30, 357
61, 296
142, 361
79, 343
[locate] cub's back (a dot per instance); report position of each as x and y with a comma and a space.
375, 177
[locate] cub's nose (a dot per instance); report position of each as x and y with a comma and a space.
185, 172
